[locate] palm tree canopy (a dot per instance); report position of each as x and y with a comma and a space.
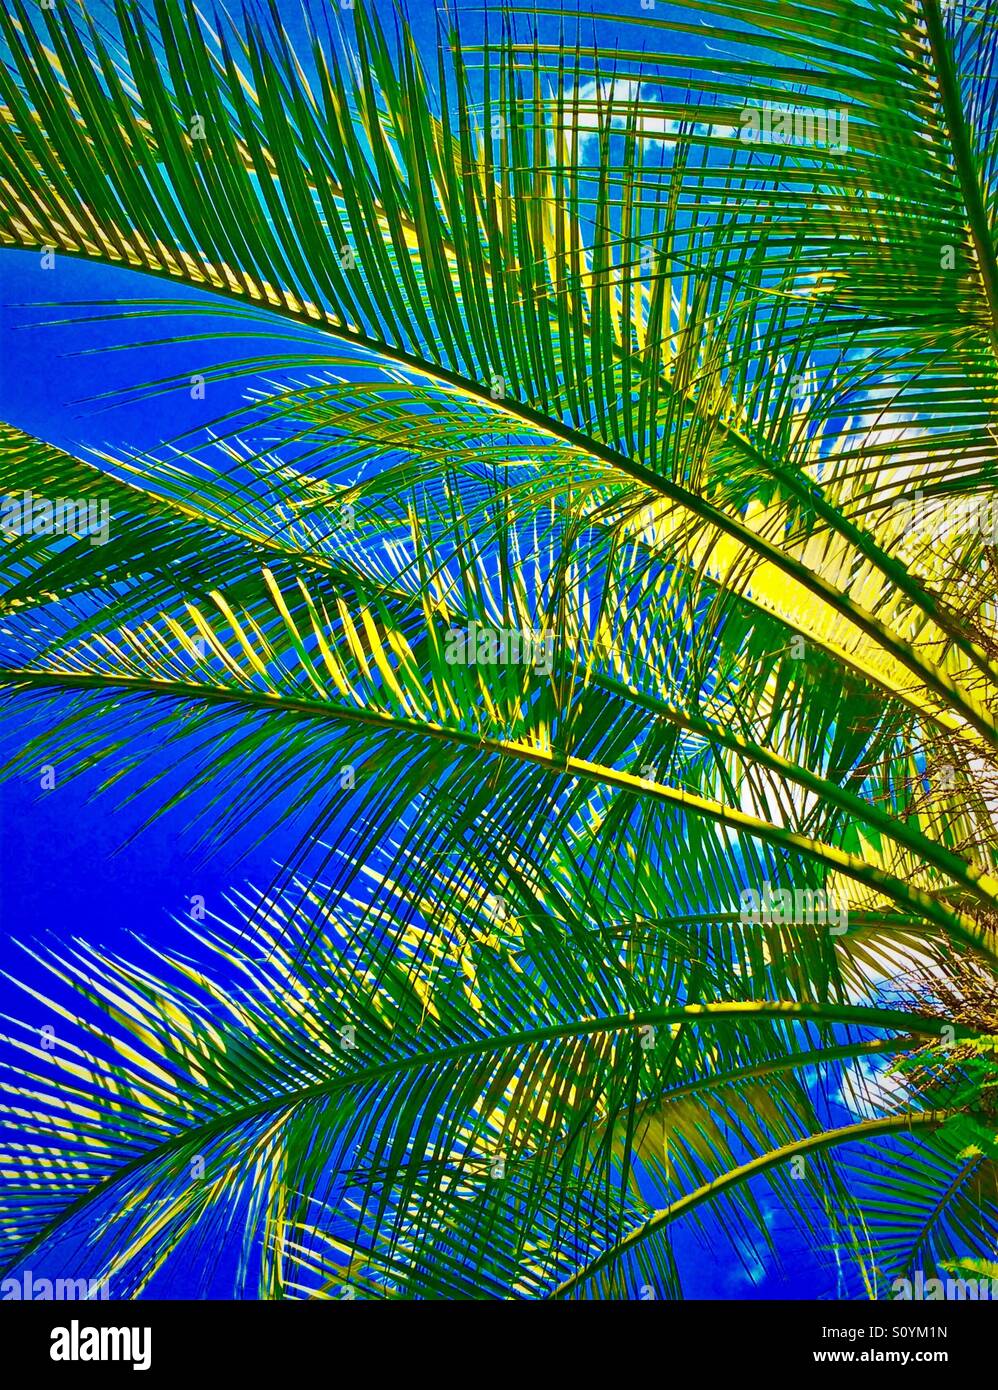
580, 568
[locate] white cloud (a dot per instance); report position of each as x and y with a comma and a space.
595, 100
870, 1089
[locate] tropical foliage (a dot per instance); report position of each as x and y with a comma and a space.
556, 350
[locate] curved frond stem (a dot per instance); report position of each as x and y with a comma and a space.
848, 1134
762, 1011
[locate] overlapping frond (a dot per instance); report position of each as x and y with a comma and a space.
557, 582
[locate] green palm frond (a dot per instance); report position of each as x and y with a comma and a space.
553, 354
387, 1085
